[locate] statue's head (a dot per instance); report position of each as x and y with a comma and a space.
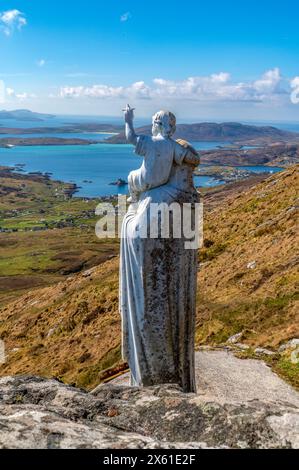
164, 123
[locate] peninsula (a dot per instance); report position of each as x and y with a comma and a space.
278, 154
231, 132
235, 134
32, 141
24, 115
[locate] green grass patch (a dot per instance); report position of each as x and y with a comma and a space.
89, 378
251, 317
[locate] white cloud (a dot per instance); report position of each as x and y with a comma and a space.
295, 87
2, 91
10, 91
295, 82
11, 20
220, 87
139, 90
215, 87
136, 90
41, 62
269, 81
125, 16
23, 96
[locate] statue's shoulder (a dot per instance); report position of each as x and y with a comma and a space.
186, 145
144, 144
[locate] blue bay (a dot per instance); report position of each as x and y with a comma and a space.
99, 163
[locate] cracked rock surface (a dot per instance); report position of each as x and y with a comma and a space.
45, 413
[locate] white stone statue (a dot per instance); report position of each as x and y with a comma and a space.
158, 275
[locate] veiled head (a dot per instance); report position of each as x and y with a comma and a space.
164, 123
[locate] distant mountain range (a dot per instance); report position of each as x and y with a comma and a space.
224, 132
231, 132
24, 115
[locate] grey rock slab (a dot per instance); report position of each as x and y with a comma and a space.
239, 404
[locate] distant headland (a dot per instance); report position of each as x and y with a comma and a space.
232, 132
24, 115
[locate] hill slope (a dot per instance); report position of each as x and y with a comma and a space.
224, 132
246, 283
282, 155
45, 234
23, 115
249, 265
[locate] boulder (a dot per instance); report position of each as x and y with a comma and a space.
45, 413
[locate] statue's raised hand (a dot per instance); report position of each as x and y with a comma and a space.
129, 114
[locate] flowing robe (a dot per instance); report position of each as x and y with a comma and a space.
158, 275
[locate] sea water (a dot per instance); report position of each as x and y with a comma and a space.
92, 167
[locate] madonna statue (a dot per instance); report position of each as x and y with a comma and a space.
158, 274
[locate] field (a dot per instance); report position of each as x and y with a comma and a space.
45, 233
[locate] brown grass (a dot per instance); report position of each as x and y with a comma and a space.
71, 330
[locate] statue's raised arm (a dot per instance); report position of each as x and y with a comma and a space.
129, 129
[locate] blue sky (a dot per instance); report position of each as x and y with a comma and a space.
207, 60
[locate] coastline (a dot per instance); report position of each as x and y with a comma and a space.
43, 141
93, 167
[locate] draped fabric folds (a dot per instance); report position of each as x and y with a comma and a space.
158, 275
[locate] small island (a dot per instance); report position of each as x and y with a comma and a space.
118, 182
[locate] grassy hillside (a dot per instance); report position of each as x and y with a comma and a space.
45, 234
249, 265
247, 283
69, 330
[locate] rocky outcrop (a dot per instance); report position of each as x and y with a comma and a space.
44, 413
